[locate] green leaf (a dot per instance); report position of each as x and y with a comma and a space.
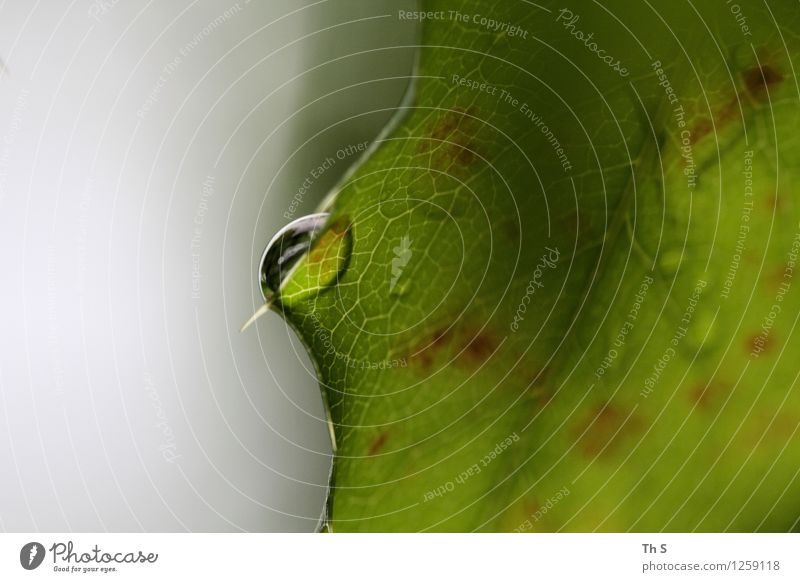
571, 298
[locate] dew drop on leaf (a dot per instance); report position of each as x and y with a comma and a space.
302, 259
322, 266
285, 249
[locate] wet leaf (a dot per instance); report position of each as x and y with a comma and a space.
571, 294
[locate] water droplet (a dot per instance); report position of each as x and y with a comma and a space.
285, 250
322, 266
305, 257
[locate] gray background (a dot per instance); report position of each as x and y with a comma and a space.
147, 153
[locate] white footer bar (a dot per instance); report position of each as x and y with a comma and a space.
389, 557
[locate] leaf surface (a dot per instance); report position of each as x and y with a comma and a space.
571, 297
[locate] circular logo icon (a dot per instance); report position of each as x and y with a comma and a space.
31, 555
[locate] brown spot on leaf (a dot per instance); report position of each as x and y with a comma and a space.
700, 130
540, 376
451, 141
378, 443
759, 343
772, 201
425, 352
469, 347
537, 388
756, 81
329, 244
777, 277
722, 117
759, 79
784, 427
753, 257
606, 427
480, 348
531, 506
465, 155
706, 395
763, 430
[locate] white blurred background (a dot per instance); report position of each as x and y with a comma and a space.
148, 151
